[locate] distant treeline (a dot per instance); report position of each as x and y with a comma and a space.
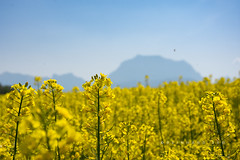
4, 89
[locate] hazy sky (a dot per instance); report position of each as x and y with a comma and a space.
84, 37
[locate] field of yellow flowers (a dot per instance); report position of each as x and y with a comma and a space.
177, 120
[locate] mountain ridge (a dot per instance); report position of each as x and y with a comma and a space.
159, 69
67, 80
128, 74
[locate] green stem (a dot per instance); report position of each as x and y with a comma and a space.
46, 132
58, 150
43, 121
16, 135
47, 139
98, 128
55, 116
160, 124
190, 118
218, 128
128, 147
54, 105
144, 148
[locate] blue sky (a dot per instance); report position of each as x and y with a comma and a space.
85, 37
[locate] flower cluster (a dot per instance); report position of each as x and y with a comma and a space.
218, 118
51, 87
21, 99
99, 95
166, 122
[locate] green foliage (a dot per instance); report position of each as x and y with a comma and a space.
4, 89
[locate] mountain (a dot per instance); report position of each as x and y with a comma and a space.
13, 78
68, 81
158, 69
128, 74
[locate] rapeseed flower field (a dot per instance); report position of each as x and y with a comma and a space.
177, 120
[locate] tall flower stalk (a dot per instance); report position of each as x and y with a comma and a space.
53, 91
161, 99
217, 113
22, 96
99, 95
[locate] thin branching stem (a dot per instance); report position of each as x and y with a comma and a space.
160, 124
16, 135
98, 127
218, 128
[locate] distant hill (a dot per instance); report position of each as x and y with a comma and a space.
158, 69
68, 81
128, 74
7, 78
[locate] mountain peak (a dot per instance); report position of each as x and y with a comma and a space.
68, 80
159, 69
64, 75
129, 73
